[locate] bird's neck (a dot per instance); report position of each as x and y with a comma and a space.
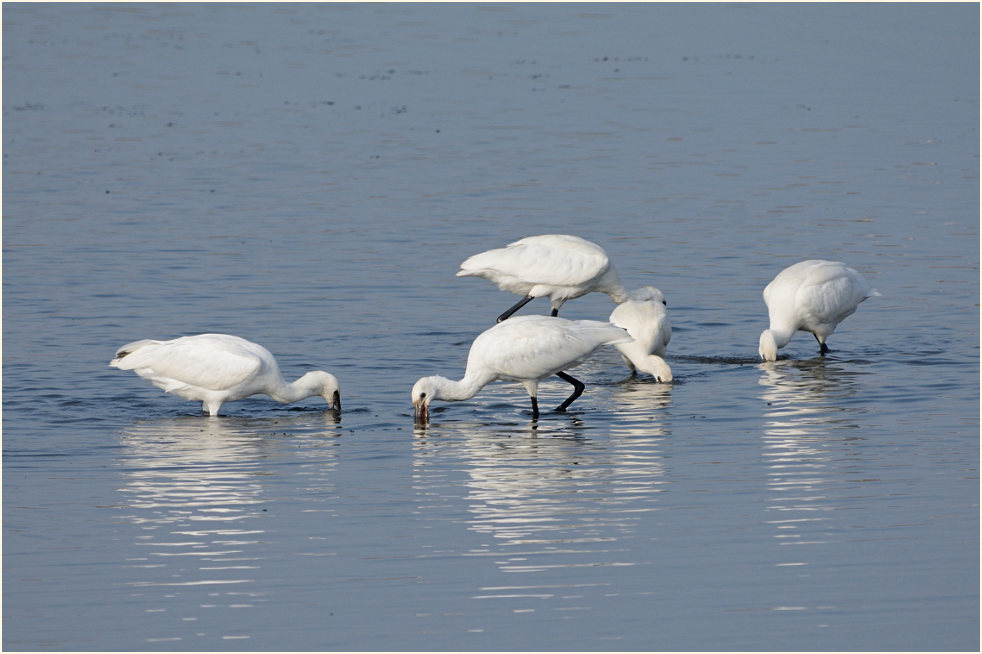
618, 294
782, 334
465, 389
287, 392
614, 288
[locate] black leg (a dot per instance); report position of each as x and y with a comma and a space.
824, 348
535, 408
518, 305
555, 312
578, 387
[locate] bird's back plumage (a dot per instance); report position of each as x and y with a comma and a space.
815, 292
218, 368
560, 266
812, 296
214, 362
527, 347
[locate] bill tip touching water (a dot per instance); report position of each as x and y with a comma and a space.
218, 368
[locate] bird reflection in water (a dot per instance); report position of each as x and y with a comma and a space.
195, 490
810, 435
641, 401
553, 508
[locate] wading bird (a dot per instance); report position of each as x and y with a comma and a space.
810, 296
526, 349
557, 266
645, 318
218, 368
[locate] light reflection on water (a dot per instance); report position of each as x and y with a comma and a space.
641, 404
150, 201
196, 491
811, 430
549, 502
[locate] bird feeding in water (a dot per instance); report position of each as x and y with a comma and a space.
525, 349
558, 266
645, 317
810, 296
218, 368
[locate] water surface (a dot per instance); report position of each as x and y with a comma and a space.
310, 177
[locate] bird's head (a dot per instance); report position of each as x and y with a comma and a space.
647, 294
326, 385
768, 346
656, 366
424, 391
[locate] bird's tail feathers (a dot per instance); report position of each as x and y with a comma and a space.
612, 333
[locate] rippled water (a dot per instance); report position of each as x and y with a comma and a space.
310, 177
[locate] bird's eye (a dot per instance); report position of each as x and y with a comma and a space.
422, 395
665, 302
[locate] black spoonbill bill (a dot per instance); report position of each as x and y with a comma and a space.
526, 349
645, 317
218, 368
810, 296
558, 266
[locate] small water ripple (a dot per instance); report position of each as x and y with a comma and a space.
812, 431
195, 493
546, 500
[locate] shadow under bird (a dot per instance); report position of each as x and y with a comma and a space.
810, 296
218, 368
645, 317
525, 349
558, 266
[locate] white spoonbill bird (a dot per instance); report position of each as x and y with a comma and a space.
558, 266
218, 368
810, 296
526, 349
645, 318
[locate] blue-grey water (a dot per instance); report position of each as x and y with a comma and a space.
310, 176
